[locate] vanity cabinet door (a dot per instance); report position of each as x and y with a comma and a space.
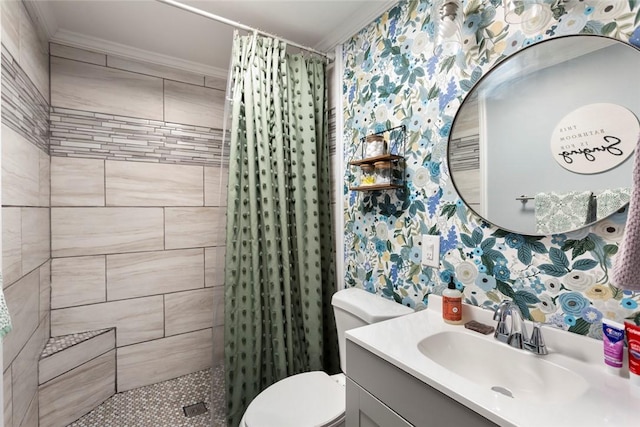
364, 410
412, 401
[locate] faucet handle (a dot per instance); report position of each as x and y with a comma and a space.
536, 342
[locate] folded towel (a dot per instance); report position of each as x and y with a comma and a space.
626, 266
610, 201
557, 213
592, 210
5, 319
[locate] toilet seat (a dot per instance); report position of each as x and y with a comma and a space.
311, 399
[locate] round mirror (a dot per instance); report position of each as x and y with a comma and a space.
568, 99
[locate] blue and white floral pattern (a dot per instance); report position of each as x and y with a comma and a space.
394, 75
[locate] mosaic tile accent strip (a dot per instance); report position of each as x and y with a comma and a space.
76, 133
56, 344
160, 405
332, 131
465, 154
23, 108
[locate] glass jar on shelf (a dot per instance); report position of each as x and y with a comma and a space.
368, 175
383, 172
374, 146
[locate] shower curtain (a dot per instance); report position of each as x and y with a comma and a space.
279, 268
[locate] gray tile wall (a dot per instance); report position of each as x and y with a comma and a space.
20, 39
23, 108
26, 253
138, 211
86, 134
81, 81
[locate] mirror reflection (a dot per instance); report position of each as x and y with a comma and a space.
501, 154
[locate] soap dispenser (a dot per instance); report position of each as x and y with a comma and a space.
452, 304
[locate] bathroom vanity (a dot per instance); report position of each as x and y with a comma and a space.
381, 394
417, 370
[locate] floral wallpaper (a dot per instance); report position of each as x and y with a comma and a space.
394, 76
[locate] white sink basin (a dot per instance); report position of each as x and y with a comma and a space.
567, 387
513, 372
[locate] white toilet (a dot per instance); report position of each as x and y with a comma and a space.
315, 399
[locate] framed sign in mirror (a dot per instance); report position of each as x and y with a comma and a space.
595, 138
502, 156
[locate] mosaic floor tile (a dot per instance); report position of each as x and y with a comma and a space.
160, 405
56, 344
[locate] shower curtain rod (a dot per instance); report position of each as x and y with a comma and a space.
239, 25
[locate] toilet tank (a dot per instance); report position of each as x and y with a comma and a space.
355, 307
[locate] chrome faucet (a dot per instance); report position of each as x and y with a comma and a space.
516, 334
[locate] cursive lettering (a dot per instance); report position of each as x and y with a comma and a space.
588, 153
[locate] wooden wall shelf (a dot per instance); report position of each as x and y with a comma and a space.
375, 187
395, 140
371, 160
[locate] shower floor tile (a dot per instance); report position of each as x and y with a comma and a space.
56, 344
160, 405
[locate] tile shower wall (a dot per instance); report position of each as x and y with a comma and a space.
138, 196
82, 134
392, 76
25, 210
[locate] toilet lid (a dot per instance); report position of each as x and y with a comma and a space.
305, 400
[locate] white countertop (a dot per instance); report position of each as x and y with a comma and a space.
610, 400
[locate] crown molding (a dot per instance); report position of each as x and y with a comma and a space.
96, 44
356, 22
48, 29
45, 19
